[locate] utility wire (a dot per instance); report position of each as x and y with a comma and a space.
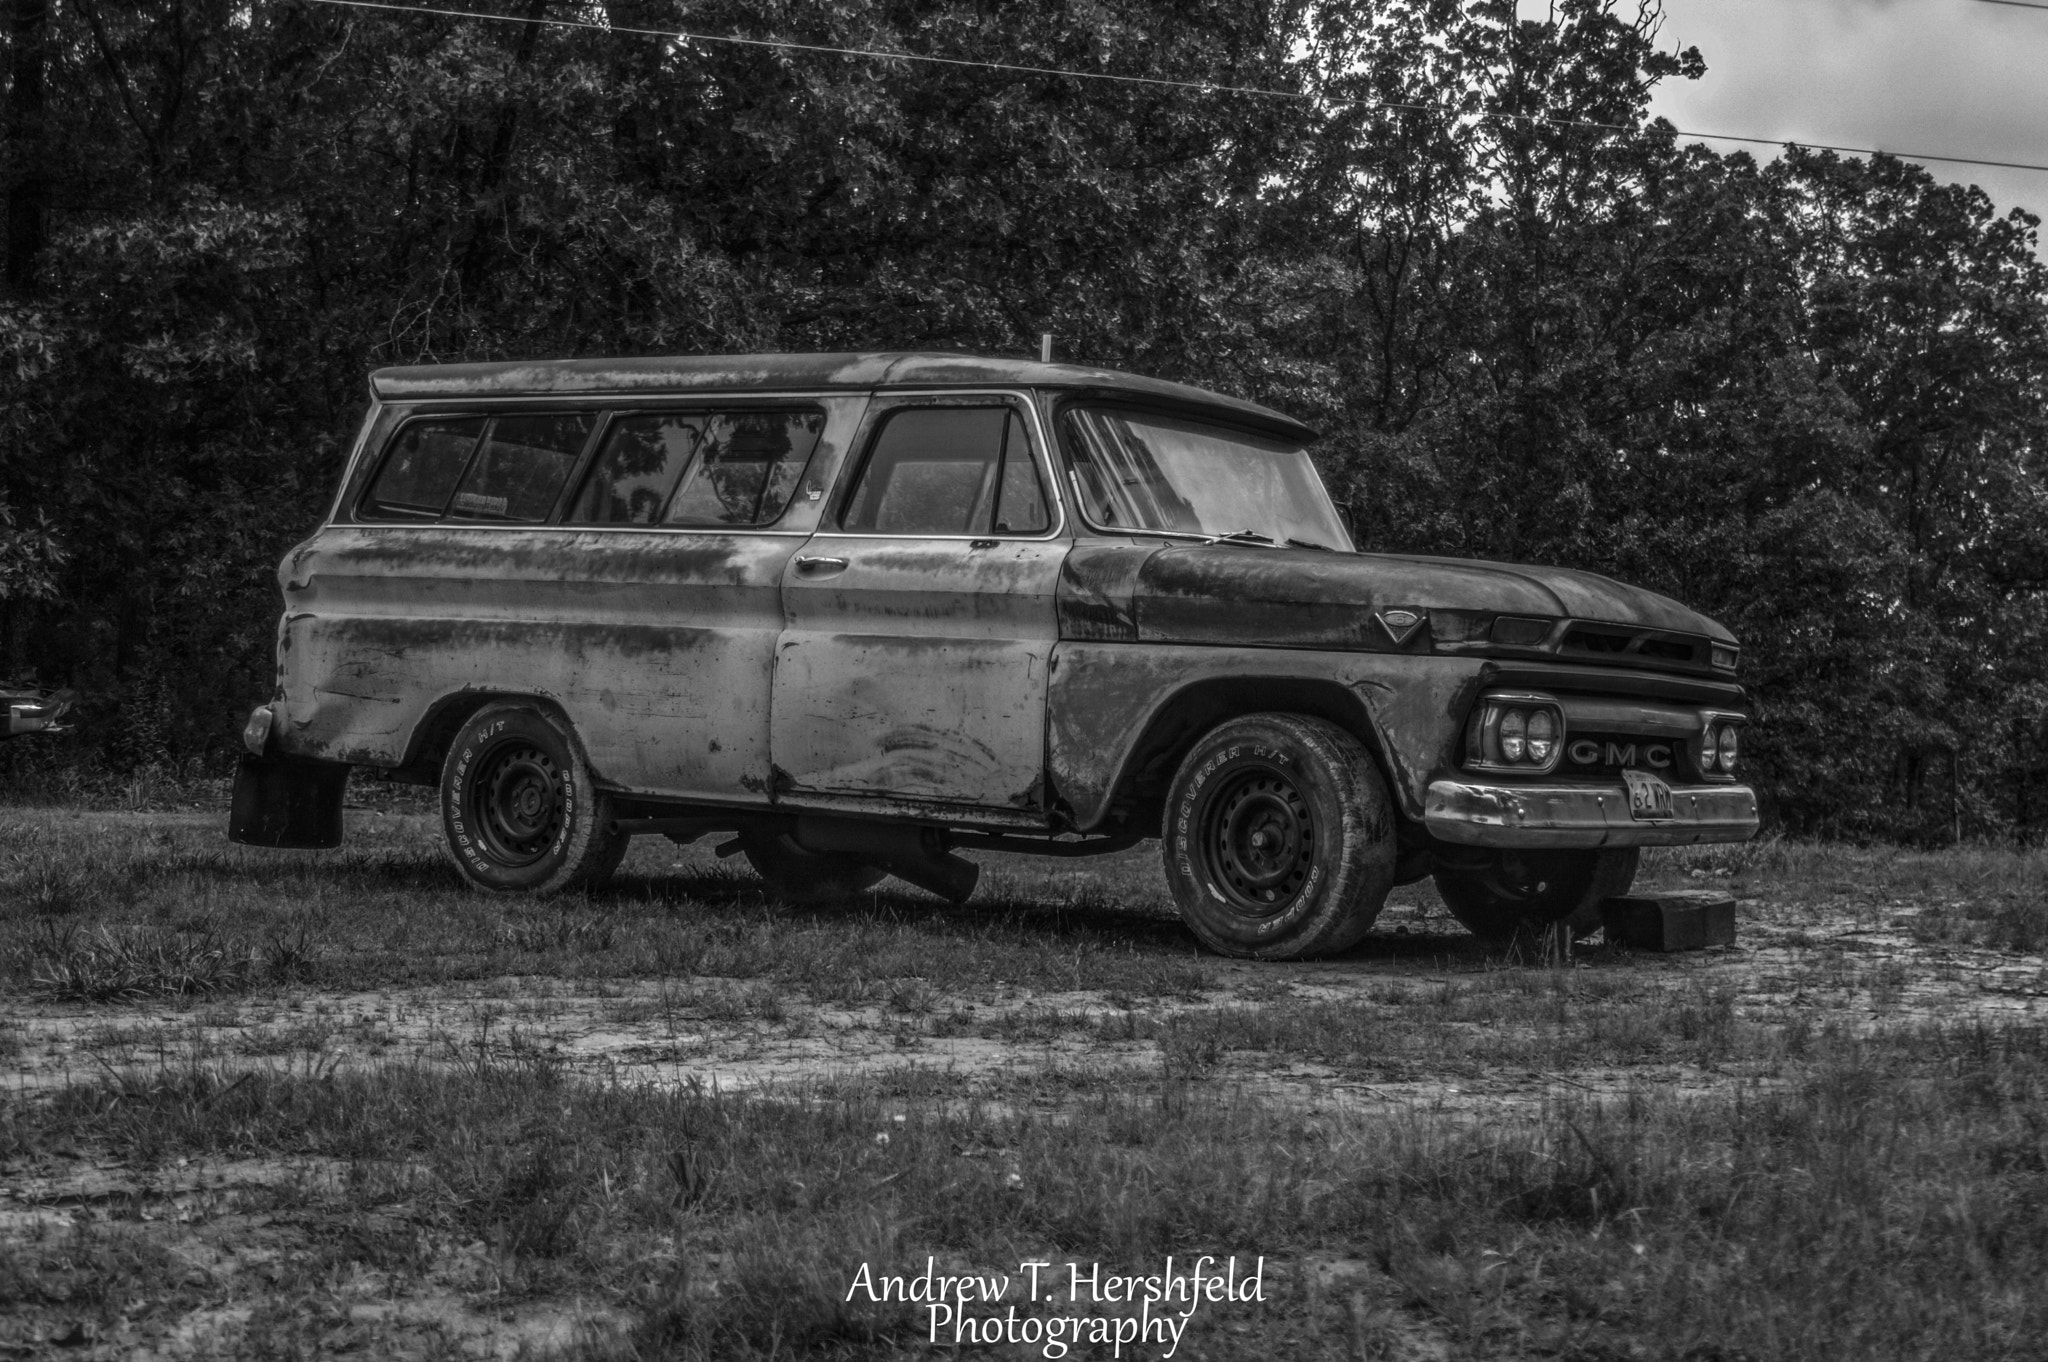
887, 54
873, 53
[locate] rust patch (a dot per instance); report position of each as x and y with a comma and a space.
1104, 697
1098, 590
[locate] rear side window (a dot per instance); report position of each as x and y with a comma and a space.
502, 468
421, 469
698, 469
952, 471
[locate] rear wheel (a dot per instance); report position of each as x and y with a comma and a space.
519, 807
1279, 838
1498, 894
798, 875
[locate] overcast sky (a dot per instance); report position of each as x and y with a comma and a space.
1960, 77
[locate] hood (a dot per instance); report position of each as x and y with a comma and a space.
1252, 596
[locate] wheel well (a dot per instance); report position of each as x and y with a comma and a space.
436, 731
1140, 795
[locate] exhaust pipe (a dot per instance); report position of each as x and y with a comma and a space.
919, 856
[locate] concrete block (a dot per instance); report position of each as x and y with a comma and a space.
1682, 920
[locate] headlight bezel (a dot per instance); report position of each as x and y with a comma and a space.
1486, 749
1716, 750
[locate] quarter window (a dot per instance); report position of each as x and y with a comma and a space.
478, 468
422, 468
701, 469
950, 471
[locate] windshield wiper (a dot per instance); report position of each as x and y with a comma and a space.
1253, 537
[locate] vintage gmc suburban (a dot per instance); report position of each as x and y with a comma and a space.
856, 613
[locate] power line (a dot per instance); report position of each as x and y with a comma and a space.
872, 53
888, 54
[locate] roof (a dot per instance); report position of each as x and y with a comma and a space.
750, 373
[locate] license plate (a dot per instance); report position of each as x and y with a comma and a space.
1648, 797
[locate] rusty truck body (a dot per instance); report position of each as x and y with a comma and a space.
853, 614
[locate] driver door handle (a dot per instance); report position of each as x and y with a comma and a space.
819, 567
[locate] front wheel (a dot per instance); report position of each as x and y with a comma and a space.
1499, 894
519, 807
1279, 838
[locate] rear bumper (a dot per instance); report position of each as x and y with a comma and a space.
1501, 815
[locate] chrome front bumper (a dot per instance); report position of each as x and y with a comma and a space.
1500, 815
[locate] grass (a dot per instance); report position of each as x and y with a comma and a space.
1990, 896
332, 1102
1908, 1173
387, 909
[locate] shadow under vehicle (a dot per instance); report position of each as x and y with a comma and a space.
856, 613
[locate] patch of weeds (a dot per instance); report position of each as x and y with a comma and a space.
561, 930
1026, 1024
289, 954
1188, 1049
914, 996
48, 894
957, 1022
106, 964
1124, 1025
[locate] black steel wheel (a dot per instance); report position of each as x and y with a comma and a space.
1279, 838
1500, 893
519, 807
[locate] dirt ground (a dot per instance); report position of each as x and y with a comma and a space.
1860, 968
1429, 1022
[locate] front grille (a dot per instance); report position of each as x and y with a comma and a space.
1609, 643
1611, 755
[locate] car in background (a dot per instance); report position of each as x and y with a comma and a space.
29, 709
853, 614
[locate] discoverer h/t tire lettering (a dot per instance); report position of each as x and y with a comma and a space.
519, 807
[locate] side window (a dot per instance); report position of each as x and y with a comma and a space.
702, 469
949, 470
422, 467
521, 468
642, 458
748, 465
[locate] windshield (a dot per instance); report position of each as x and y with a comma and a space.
1144, 471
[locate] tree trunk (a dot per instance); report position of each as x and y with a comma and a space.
27, 176
493, 212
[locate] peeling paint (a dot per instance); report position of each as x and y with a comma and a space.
1104, 697
1099, 586
919, 671
648, 642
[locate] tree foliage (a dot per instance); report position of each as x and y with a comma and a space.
1806, 396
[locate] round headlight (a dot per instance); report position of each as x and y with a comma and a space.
1728, 745
1542, 735
1514, 728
